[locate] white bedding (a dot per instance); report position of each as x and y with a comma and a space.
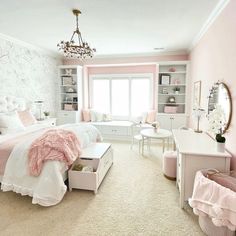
27, 130
48, 188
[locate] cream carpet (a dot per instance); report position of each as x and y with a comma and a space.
134, 199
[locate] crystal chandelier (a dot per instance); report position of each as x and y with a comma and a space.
73, 49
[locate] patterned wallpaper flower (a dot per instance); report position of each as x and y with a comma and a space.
28, 74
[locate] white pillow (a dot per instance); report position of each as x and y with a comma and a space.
98, 116
10, 123
93, 116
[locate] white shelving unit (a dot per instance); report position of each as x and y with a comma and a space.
70, 94
172, 106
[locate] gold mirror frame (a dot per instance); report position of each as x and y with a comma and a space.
213, 99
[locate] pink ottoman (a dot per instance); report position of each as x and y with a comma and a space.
169, 164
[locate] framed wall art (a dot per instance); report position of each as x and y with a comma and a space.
67, 80
165, 79
197, 94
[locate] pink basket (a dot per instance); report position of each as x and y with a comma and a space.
170, 109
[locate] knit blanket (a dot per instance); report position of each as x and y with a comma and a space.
56, 144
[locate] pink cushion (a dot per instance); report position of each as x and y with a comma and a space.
27, 118
224, 180
151, 116
86, 115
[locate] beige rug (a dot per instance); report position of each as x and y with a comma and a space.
134, 199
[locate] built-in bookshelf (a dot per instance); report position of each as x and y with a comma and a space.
172, 88
70, 88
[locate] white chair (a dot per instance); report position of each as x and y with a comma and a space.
136, 136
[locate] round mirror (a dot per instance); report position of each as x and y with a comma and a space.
220, 94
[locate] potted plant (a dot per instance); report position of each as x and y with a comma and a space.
176, 90
46, 114
216, 125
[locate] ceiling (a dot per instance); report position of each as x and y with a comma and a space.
112, 27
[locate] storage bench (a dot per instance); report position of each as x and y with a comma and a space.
100, 157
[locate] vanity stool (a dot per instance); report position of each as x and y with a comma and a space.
169, 164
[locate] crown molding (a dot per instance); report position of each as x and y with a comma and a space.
30, 46
147, 54
212, 17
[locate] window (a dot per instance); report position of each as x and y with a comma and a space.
120, 97
123, 96
140, 96
101, 95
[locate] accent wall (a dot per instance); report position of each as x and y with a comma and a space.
28, 73
213, 59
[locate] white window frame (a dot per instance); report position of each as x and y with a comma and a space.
130, 77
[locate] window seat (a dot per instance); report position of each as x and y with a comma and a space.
115, 130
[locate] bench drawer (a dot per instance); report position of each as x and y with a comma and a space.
115, 130
100, 157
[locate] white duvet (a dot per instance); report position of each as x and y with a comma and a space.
48, 188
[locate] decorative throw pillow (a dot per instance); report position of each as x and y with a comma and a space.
107, 117
27, 118
10, 123
93, 115
86, 115
151, 116
99, 116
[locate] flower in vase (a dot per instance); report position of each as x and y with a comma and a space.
216, 120
155, 125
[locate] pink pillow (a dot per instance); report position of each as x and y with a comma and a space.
151, 116
27, 118
86, 115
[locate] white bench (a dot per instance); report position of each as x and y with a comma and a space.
100, 157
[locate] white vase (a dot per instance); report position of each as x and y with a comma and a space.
220, 147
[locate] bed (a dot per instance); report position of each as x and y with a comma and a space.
48, 188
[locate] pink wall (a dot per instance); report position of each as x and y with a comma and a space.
122, 65
213, 59
123, 60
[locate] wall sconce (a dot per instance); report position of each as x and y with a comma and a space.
198, 113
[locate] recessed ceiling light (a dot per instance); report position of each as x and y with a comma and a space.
158, 49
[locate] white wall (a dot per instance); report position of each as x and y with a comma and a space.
28, 73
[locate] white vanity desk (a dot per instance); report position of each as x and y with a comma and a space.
196, 151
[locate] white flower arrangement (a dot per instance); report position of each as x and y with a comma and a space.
217, 121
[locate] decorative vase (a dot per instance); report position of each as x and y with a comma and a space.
220, 147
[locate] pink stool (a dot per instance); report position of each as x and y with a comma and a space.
169, 164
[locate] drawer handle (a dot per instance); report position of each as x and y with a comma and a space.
65, 114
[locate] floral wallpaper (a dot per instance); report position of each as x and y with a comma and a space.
29, 74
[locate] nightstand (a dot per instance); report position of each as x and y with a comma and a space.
49, 121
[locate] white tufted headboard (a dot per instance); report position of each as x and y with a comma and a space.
11, 103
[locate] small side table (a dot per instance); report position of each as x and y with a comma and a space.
49, 121
160, 134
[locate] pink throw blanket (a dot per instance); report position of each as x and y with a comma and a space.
214, 200
56, 144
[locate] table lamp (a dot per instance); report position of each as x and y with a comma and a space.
39, 105
198, 113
